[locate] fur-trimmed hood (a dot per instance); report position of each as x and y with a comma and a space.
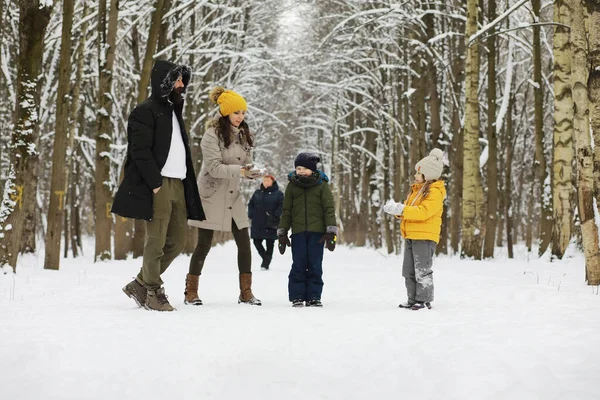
213, 123
163, 78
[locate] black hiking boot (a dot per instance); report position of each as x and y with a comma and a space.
314, 303
297, 303
419, 306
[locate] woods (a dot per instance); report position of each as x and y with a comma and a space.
508, 89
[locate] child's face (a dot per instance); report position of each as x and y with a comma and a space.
303, 171
267, 182
419, 178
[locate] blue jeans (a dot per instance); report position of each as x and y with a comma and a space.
305, 281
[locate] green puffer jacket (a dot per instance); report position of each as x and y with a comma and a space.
308, 204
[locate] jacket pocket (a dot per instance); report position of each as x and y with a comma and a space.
207, 185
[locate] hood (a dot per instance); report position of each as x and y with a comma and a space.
163, 78
274, 187
440, 185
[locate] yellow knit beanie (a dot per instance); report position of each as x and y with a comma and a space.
228, 100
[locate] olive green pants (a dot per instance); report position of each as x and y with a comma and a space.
165, 233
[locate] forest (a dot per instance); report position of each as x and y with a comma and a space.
509, 90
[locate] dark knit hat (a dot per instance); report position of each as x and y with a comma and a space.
307, 160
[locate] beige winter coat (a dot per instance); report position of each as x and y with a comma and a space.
219, 180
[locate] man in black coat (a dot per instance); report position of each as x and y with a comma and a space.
159, 185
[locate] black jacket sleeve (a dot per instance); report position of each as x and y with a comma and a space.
141, 125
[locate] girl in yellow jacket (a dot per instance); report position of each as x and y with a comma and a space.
421, 216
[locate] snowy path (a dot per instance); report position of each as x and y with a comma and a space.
500, 330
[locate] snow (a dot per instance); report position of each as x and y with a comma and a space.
46, 3
503, 329
533, 83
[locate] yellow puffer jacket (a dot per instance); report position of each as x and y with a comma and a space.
422, 217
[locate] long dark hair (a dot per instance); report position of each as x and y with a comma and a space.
224, 132
424, 190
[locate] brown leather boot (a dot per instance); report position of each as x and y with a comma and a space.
246, 295
191, 290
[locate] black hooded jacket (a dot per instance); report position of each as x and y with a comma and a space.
149, 131
264, 210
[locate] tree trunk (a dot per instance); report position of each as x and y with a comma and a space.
544, 190
56, 209
155, 24
31, 213
472, 211
74, 213
107, 41
583, 145
457, 147
492, 163
593, 7
71, 165
33, 21
434, 98
163, 38
508, 178
562, 167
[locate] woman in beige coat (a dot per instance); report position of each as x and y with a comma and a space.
226, 159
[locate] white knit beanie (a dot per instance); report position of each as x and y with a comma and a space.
431, 166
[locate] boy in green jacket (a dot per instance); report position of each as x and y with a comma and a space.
309, 210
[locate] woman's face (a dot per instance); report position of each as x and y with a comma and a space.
419, 178
236, 118
267, 182
303, 171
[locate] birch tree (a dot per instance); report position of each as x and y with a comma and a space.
472, 209
583, 145
563, 132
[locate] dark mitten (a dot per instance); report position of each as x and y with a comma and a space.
284, 242
329, 239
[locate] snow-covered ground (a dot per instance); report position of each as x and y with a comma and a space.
507, 329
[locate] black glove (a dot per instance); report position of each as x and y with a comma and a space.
284, 242
329, 239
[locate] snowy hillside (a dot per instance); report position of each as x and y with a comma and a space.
501, 330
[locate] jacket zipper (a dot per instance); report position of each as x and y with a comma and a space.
305, 209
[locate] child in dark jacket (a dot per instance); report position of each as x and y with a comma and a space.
308, 209
264, 210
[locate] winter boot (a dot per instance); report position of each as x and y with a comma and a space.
419, 306
246, 295
314, 303
266, 262
297, 303
137, 291
407, 304
157, 300
191, 290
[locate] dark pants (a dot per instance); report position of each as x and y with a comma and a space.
242, 240
165, 234
305, 281
267, 254
416, 270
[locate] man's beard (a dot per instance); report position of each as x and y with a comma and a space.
176, 95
